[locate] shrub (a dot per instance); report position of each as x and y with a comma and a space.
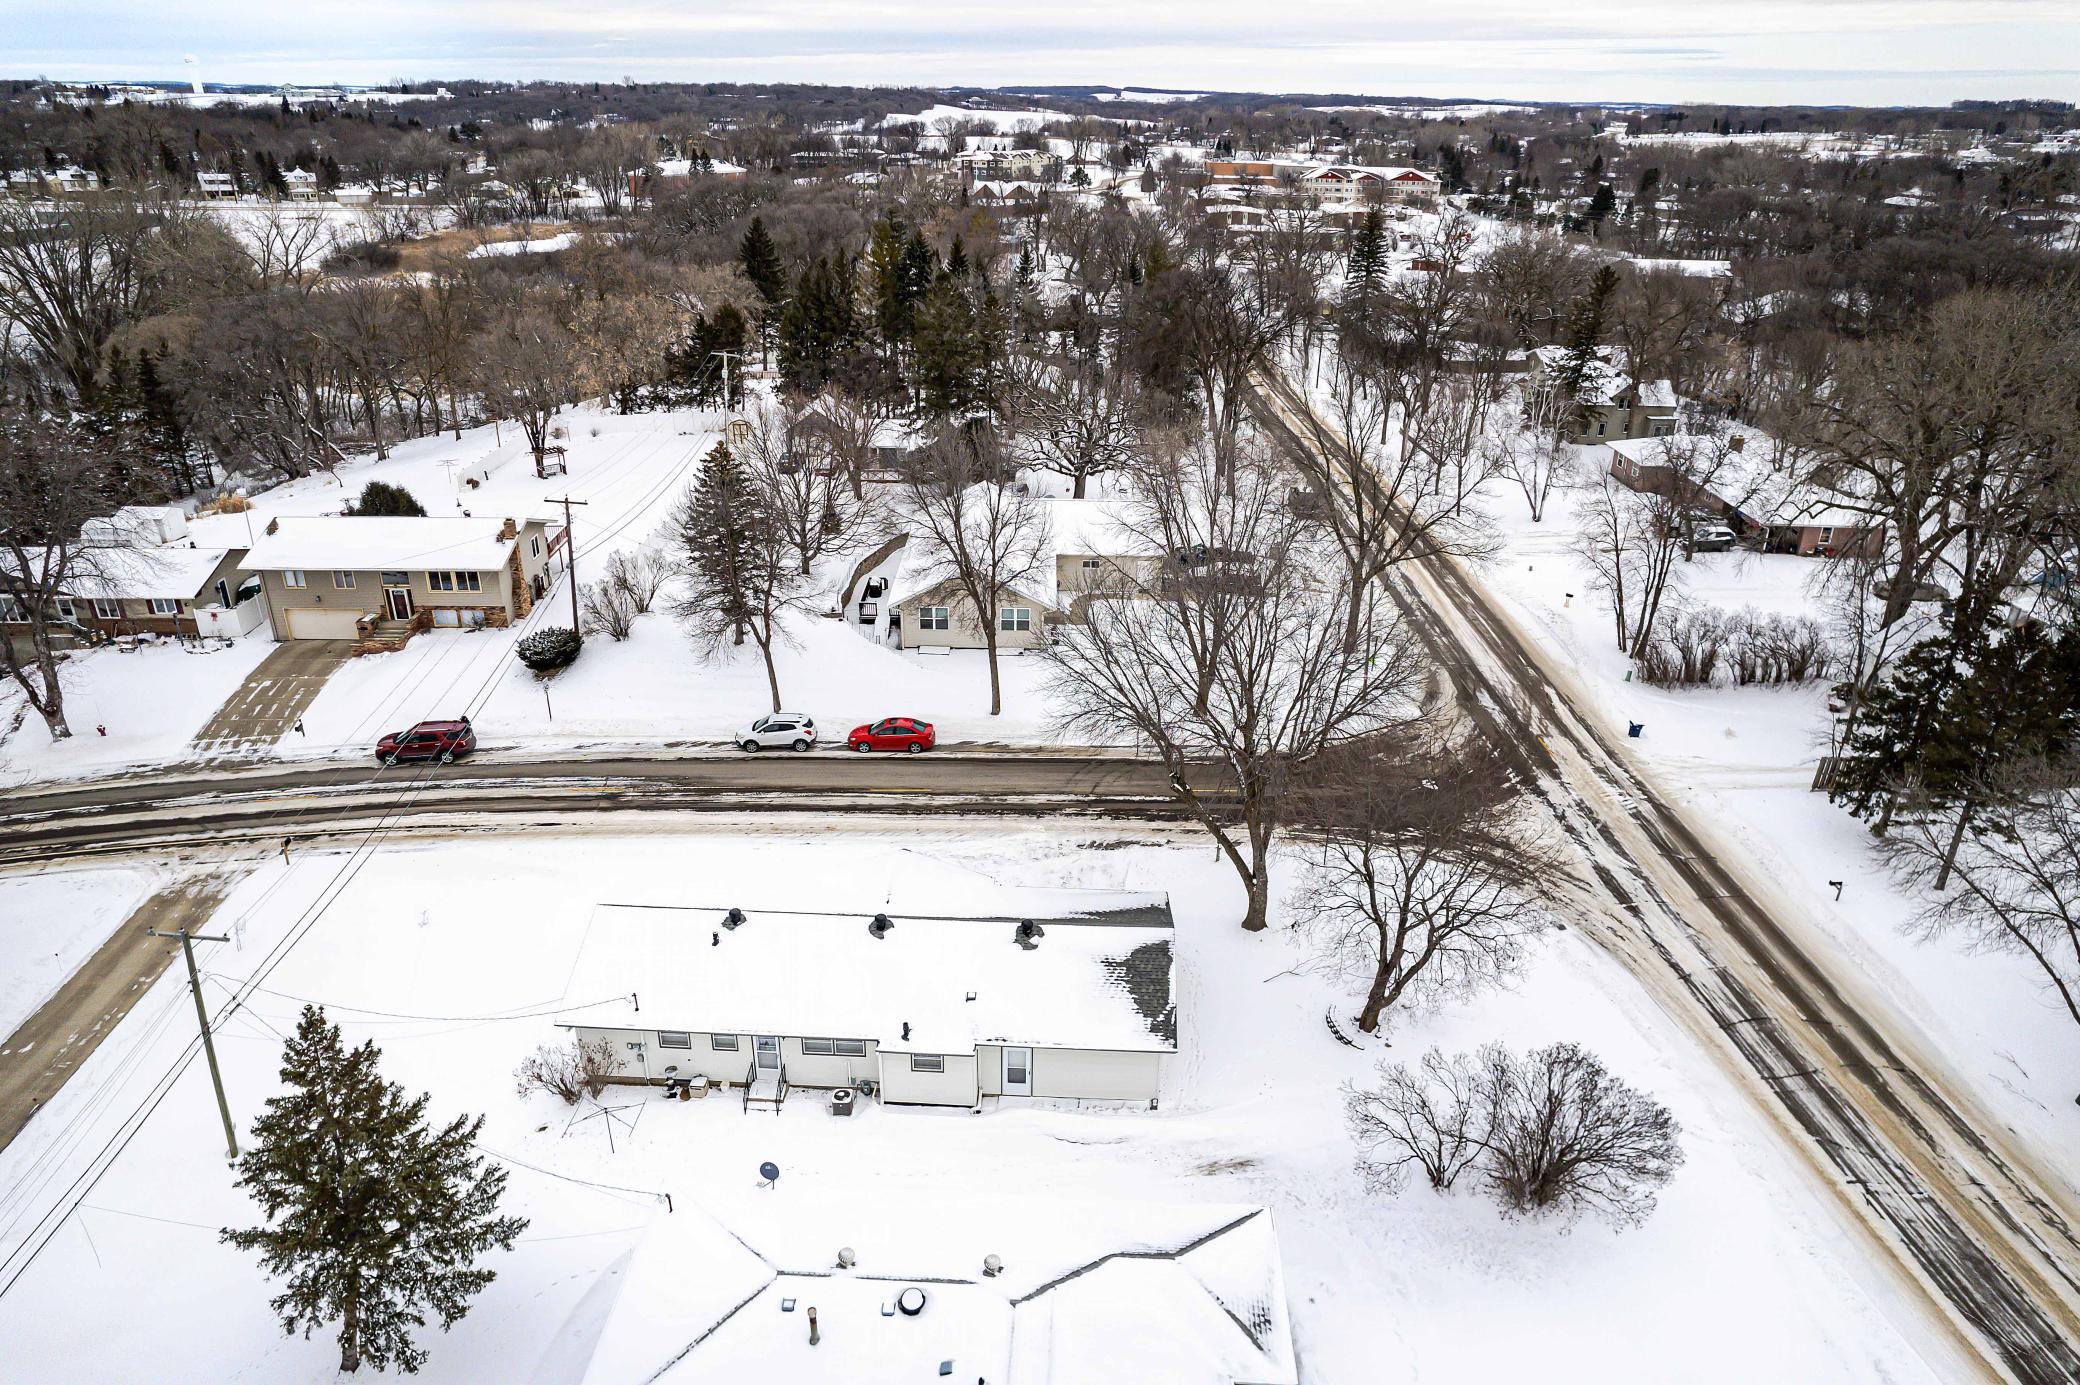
569, 1072
1694, 648
382, 498
362, 257
550, 648
609, 609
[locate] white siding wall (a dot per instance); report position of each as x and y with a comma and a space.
702, 1059
1083, 1072
823, 1069
989, 1069
954, 1087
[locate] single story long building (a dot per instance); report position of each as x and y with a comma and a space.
1072, 1000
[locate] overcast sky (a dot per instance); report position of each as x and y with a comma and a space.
1874, 52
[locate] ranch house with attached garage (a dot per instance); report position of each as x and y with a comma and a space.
1071, 999
381, 579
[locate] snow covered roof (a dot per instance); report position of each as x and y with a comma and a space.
369, 542
1100, 976
1603, 382
1096, 528
175, 571
1158, 1294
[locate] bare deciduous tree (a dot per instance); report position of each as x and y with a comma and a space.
1427, 873
1075, 419
1235, 658
1566, 1136
1434, 1121
803, 478
986, 538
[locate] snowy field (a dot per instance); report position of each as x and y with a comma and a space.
49, 924
453, 957
1745, 758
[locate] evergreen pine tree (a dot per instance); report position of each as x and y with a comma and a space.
1366, 264
382, 498
950, 358
819, 327
761, 261
892, 308
1601, 205
957, 260
1585, 329
718, 528
374, 1219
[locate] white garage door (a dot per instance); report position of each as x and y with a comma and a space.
317, 623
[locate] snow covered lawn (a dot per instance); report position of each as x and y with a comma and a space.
50, 923
1745, 758
452, 957
151, 701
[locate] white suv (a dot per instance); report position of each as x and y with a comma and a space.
780, 731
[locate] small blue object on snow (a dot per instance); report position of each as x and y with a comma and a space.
787, 1305
946, 1368
769, 1171
1633, 728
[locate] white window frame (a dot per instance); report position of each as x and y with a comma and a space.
68, 609
840, 1048
927, 1062
108, 608
534, 546
935, 618
12, 610
440, 581
1827, 533
343, 581
292, 577
1092, 564
1015, 620
165, 606
723, 1043
674, 1038
469, 581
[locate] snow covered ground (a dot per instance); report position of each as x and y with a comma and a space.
150, 701
49, 924
452, 957
1745, 757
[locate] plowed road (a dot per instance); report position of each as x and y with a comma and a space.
1988, 1237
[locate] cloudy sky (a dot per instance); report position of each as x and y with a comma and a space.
1876, 52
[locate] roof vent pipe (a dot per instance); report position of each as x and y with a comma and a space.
1028, 934
880, 926
992, 1266
846, 1258
733, 919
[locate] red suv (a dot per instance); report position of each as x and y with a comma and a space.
429, 740
893, 733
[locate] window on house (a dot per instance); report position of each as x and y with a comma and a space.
723, 1043
108, 608
11, 609
165, 606
843, 1048
1090, 564
67, 608
292, 578
1599, 427
1827, 534
534, 546
935, 618
469, 581
674, 1038
441, 581
342, 581
1015, 618
927, 1062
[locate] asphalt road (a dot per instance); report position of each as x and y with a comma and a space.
149, 813
1989, 1237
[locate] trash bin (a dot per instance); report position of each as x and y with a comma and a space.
696, 1087
841, 1101
1633, 728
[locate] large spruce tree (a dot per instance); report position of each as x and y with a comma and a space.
761, 261
718, 527
376, 1220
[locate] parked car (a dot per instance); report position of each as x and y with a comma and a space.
429, 740
893, 733
780, 731
1713, 538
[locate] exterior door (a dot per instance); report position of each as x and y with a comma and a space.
400, 602
768, 1051
1018, 1072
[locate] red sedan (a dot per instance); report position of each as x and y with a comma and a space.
893, 733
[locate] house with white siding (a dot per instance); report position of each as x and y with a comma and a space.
1070, 998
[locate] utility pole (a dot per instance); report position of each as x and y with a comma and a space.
209, 1048
727, 376
570, 551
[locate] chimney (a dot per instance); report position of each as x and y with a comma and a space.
814, 1335
1028, 934
509, 531
272, 525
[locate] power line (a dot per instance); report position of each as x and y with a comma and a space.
531, 1013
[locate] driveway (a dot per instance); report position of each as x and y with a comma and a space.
37, 1058
273, 697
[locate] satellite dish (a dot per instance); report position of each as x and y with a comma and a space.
769, 1171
